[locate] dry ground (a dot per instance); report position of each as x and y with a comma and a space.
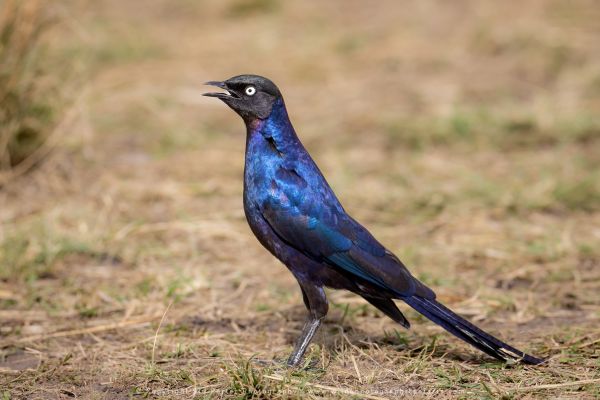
464, 134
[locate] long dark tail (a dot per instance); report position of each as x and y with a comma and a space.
468, 332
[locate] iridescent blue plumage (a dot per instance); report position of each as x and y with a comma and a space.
294, 213
284, 189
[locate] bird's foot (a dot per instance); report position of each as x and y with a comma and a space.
308, 364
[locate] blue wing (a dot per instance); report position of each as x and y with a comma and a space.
310, 218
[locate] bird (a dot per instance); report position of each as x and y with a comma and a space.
296, 216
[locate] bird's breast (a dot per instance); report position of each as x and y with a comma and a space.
261, 165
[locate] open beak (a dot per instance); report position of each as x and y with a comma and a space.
227, 94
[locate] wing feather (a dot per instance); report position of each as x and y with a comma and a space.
304, 219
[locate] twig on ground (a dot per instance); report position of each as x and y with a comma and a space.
158, 329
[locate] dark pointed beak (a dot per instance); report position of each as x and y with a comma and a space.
227, 94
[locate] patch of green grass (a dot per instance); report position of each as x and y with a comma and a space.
588, 249
168, 378
30, 257
178, 287
144, 287
175, 328
483, 190
582, 129
477, 128
245, 381
419, 133
581, 195
246, 8
86, 311
179, 351
349, 312
262, 307
450, 379
399, 340
250, 381
543, 250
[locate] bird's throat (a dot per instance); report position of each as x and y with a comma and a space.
276, 129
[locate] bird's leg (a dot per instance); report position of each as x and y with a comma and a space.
308, 332
316, 303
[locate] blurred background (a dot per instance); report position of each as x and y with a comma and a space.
464, 134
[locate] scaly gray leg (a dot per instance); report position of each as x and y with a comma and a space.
316, 303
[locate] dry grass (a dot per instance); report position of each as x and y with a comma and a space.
26, 114
465, 135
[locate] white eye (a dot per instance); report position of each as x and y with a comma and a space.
250, 90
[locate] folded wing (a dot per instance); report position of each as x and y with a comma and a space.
314, 223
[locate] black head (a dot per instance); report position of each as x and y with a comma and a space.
251, 96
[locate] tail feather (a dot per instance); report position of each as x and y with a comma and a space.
389, 308
468, 332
